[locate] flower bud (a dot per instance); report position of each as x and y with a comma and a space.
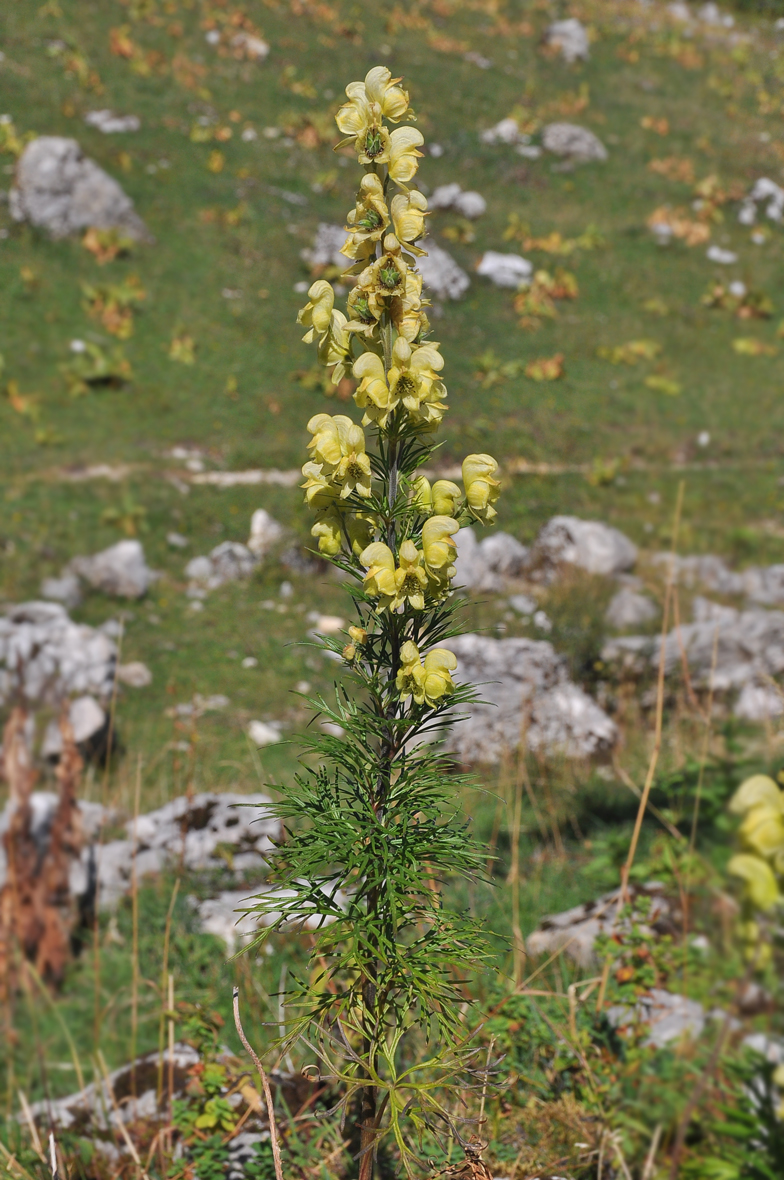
349, 651
358, 635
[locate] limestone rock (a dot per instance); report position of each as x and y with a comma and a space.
589, 544
111, 124
191, 832
88, 721
121, 570
576, 143
135, 674
488, 564
669, 1016
627, 609
505, 270
571, 37
326, 248
228, 562
526, 695
470, 205
441, 275
60, 190
66, 589
264, 533
575, 931
46, 656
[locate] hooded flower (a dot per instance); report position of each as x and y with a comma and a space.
408, 218
320, 491
414, 373
334, 349
393, 585
427, 682
482, 489
373, 395
368, 221
317, 314
403, 157
446, 497
338, 445
438, 547
406, 308
378, 97
329, 531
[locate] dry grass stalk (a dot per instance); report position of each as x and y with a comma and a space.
37, 913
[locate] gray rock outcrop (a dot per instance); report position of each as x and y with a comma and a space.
60, 190
592, 546
629, 608
487, 565
575, 930
441, 275
121, 570
228, 562
526, 697
505, 270
46, 656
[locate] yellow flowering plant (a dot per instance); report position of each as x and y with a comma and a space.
374, 826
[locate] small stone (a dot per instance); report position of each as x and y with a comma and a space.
121, 570
111, 124
263, 733
720, 256
177, 540
507, 131
88, 721
264, 533
574, 142
488, 564
627, 608
326, 248
135, 674
542, 621
441, 275
254, 48
60, 190
505, 270
571, 37
523, 604
250, 662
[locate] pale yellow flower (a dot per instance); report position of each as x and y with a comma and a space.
403, 157
362, 318
482, 489
438, 547
373, 395
334, 351
761, 887
406, 309
361, 529
395, 585
316, 314
379, 581
325, 445
320, 492
763, 829
377, 98
408, 217
414, 372
328, 529
427, 682
368, 221
410, 577
422, 494
753, 791
446, 497
338, 445
353, 471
